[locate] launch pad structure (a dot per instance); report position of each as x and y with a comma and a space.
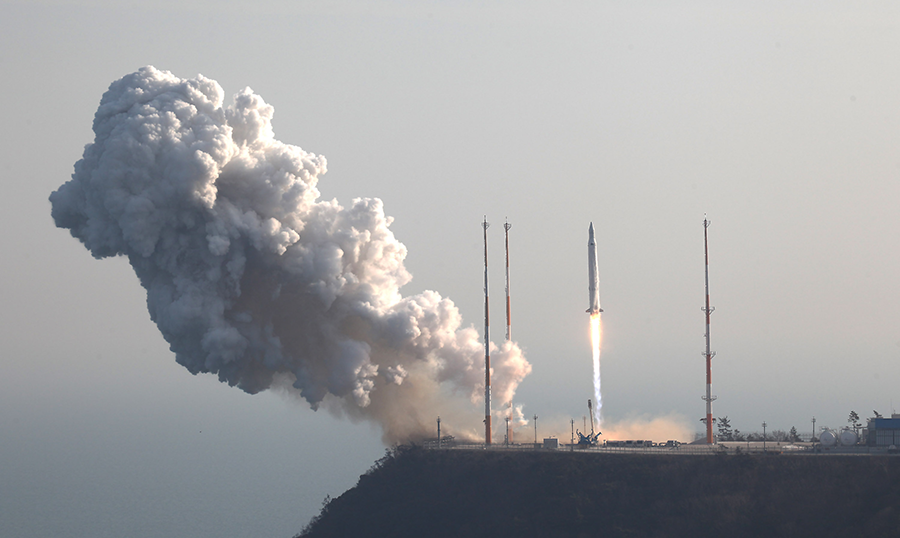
594, 308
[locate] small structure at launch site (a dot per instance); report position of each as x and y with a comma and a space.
586, 440
883, 431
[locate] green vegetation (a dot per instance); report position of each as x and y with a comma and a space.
415, 492
724, 425
853, 419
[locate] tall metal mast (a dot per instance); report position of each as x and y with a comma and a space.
487, 345
506, 227
709, 354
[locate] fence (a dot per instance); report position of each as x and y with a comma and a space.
723, 448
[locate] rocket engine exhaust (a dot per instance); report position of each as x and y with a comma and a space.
596, 339
251, 277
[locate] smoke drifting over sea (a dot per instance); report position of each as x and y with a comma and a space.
250, 276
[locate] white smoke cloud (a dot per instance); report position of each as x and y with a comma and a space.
250, 276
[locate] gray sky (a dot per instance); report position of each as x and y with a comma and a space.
780, 121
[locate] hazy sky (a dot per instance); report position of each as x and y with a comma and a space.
781, 121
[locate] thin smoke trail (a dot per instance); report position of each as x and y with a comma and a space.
596, 341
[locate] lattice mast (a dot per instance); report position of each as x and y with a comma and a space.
487, 344
506, 228
709, 354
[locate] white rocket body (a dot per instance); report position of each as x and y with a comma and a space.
593, 275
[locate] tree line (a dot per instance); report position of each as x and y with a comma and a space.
727, 433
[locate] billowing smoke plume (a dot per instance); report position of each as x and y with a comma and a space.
250, 276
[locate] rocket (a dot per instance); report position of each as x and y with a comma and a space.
593, 275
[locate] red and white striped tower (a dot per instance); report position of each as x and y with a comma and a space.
709, 354
487, 345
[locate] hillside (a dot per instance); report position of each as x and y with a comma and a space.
416, 492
